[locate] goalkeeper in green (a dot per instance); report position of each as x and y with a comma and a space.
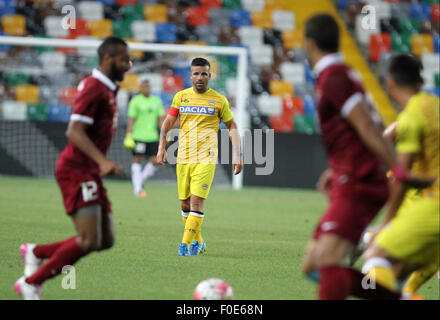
145, 116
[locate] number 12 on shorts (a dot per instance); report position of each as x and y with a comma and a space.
89, 191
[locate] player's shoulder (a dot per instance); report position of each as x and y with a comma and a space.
89, 84
217, 95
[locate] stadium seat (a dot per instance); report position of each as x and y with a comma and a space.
420, 11
231, 4
101, 28
261, 55
282, 123
144, 31
67, 95
253, 5
292, 38
270, 105
428, 79
27, 93
130, 82
309, 105
156, 81
167, 99
81, 28
122, 28
281, 88
436, 43
400, 43
421, 43
400, 9
126, 2
91, 10
166, 32
435, 12
133, 12
271, 5
231, 87
363, 35
7, 7
211, 3
304, 123
379, 43
293, 105
197, 16
14, 25
431, 61
283, 20
53, 61
15, 78
172, 84
208, 33
262, 19
107, 2
240, 18
59, 113
4, 47
250, 35
293, 72
219, 17
122, 98
14, 110
156, 13
37, 112
53, 26
49, 94
409, 25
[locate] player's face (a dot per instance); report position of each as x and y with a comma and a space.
200, 76
145, 89
120, 64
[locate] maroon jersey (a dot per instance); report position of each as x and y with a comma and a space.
95, 104
338, 90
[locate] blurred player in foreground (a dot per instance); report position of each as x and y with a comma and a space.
410, 240
145, 112
200, 109
79, 172
356, 181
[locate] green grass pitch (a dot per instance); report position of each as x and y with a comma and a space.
256, 240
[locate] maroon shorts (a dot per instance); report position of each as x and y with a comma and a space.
353, 205
81, 189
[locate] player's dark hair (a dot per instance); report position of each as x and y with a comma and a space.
110, 46
405, 70
324, 31
200, 62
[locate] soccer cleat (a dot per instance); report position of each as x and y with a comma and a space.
203, 249
26, 290
141, 194
183, 250
195, 248
411, 296
31, 262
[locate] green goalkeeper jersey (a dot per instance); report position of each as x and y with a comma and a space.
146, 112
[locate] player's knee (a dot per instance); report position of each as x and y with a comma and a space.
89, 244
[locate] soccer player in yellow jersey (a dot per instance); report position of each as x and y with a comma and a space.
200, 109
410, 240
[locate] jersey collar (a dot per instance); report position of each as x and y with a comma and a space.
327, 61
96, 73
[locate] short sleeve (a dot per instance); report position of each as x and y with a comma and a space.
132, 109
409, 132
343, 92
225, 112
87, 102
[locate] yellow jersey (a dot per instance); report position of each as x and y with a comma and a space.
418, 132
200, 116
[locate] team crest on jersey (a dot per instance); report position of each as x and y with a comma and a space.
197, 110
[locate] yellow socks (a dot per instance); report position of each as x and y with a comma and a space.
379, 270
184, 216
419, 277
193, 227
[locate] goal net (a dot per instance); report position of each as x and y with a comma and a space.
38, 80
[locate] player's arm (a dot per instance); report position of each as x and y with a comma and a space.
76, 132
237, 161
128, 140
398, 189
361, 121
167, 125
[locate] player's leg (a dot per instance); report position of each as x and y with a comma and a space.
193, 226
185, 205
107, 231
309, 264
151, 166
183, 188
136, 169
419, 277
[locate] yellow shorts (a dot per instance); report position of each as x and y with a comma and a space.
194, 179
414, 234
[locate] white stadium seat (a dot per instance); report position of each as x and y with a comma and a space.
251, 36
261, 55
144, 31
283, 20
14, 110
91, 10
54, 27
253, 5
270, 105
293, 72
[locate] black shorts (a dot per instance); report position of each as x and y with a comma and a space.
147, 149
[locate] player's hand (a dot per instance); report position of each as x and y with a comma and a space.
325, 182
161, 157
109, 167
237, 165
129, 142
404, 176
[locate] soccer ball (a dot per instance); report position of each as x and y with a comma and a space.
213, 289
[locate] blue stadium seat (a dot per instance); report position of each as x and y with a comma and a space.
4, 47
420, 11
342, 4
59, 113
309, 75
436, 40
183, 71
435, 91
7, 7
240, 18
167, 98
309, 105
108, 2
166, 32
